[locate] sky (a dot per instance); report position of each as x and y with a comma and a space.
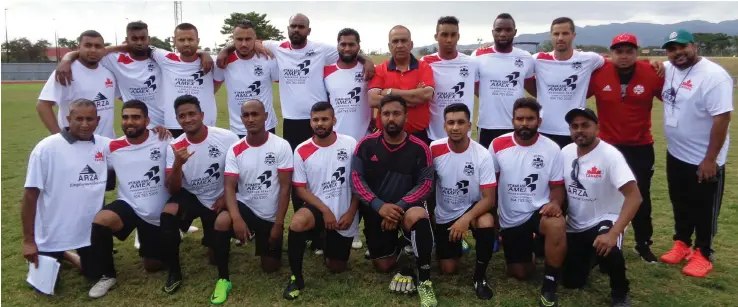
39, 19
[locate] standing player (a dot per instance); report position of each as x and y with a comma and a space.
531, 186
195, 164
624, 89
603, 197
322, 166
465, 194
392, 173
247, 77
93, 83
258, 173
65, 187
699, 100
502, 73
138, 161
454, 73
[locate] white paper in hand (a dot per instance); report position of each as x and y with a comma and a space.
43, 278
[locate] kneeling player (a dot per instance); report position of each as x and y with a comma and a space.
531, 192
259, 167
322, 165
465, 194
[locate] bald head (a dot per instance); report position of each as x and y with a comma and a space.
254, 116
254, 104
400, 29
300, 18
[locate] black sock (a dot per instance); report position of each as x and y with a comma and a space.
422, 237
550, 278
222, 250
296, 251
102, 244
170, 241
485, 238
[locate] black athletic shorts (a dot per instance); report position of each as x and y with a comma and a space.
487, 135
261, 230
518, 242
381, 243
273, 131
191, 208
149, 236
337, 247
444, 248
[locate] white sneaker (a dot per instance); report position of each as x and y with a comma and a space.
357, 243
193, 229
101, 287
136, 243
319, 252
409, 250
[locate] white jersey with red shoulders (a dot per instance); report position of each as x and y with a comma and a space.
347, 93
139, 80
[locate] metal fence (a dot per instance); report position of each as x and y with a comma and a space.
27, 71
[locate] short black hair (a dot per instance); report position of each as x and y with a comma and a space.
447, 20
186, 26
186, 99
457, 107
347, 32
393, 98
529, 103
506, 16
321, 106
136, 25
89, 33
136, 104
561, 20
244, 24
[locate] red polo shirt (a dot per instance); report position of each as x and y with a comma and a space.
387, 76
625, 120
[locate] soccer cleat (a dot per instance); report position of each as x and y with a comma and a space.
427, 297
193, 229
677, 254
698, 265
357, 243
548, 299
367, 255
101, 287
409, 250
220, 294
173, 283
465, 246
293, 289
622, 301
318, 252
645, 252
483, 290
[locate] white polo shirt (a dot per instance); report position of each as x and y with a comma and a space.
347, 94
691, 98
137, 80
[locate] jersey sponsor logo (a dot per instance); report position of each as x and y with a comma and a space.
264, 179
259, 189
469, 169
457, 194
359, 77
297, 75
342, 155
335, 185
564, 90
576, 190
638, 89
99, 157
149, 186
154, 154
212, 174
576, 65
537, 162
145, 92
464, 71
270, 158
452, 96
519, 63
594, 173
198, 76
191, 85
348, 104
687, 85
87, 174
254, 90
505, 86
258, 70
101, 102
108, 82
151, 83
523, 192
214, 152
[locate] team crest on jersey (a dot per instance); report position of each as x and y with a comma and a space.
518, 62
469, 169
214, 152
310, 53
155, 154
537, 161
258, 70
359, 77
270, 159
576, 65
151, 66
464, 71
638, 89
342, 155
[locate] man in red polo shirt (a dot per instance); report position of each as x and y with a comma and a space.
403, 75
624, 89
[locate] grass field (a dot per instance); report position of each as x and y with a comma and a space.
651, 285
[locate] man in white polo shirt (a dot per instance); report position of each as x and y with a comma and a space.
65, 188
698, 101
603, 198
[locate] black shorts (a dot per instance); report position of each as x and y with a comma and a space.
581, 255
149, 236
296, 131
191, 208
561, 140
487, 135
380, 243
337, 247
273, 131
176, 132
261, 230
518, 242
444, 248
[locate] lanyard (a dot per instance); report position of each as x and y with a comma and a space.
679, 86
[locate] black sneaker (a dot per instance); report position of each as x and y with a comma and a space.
645, 252
548, 299
483, 290
173, 283
621, 301
293, 289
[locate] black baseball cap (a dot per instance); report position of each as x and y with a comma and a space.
581, 111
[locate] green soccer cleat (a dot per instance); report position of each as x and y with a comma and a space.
220, 295
293, 289
427, 297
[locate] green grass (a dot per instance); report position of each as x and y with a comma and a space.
651, 285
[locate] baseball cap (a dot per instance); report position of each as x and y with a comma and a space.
681, 36
624, 38
580, 111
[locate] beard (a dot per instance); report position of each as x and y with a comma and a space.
348, 58
581, 140
297, 39
393, 129
323, 133
135, 133
138, 52
525, 134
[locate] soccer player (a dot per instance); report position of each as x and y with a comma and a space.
502, 73
64, 188
322, 167
403, 75
392, 173
195, 164
698, 97
93, 83
624, 89
257, 193
465, 194
531, 186
603, 198
138, 161
248, 76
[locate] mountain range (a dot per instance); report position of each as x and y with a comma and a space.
648, 34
